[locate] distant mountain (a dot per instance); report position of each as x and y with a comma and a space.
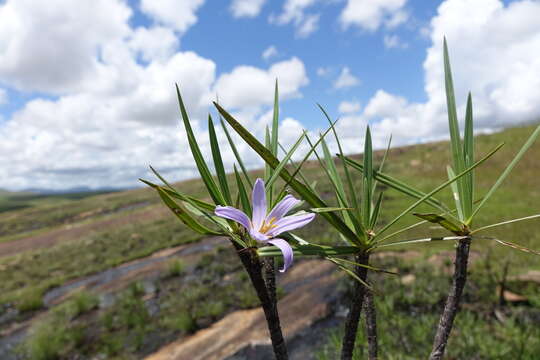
73, 190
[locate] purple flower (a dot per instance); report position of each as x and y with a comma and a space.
264, 227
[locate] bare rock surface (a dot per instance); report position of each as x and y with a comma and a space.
244, 335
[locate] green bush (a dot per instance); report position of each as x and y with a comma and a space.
30, 299
175, 268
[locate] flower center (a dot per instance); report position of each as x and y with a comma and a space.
267, 226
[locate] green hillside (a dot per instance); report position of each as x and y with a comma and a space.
54, 239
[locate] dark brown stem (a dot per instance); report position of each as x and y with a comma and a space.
446, 321
254, 268
371, 325
351, 322
270, 278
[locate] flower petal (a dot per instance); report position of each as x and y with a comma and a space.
283, 207
258, 199
260, 237
228, 212
289, 223
286, 250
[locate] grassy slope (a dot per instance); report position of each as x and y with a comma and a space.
422, 165
24, 277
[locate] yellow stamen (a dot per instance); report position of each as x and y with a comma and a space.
267, 226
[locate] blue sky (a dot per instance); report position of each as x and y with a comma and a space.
86, 88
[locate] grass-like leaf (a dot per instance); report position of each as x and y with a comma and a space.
242, 193
350, 184
335, 179
328, 209
206, 176
506, 172
442, 221
455, 138
367, 180
218, 162
468, 154
416, 241
310, 250
307, 193
284, 161
398, 185
275, 122
376, 211
236, 154
383, 161
203, 205
455, 193
437, 189
181, 214
505, 223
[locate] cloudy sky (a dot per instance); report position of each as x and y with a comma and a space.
87, 86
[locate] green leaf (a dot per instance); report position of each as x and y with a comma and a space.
506, 171
372, 268
310, 250
455, 139
284, 161
268, 171
297, 168
515, 246
275, 122
203, 205
376, 211
236, 154
350, 272
339, 189
303, 190
410, 227
455, 193
381, 166
416, 241
218, 162
437, 189
297, 171
184, 216
242, 193
206, 176
367, 183
398, 185
505, 223
327, 209
442, 221
352, 193
468, 153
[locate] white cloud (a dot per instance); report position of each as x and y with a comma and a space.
393, 41
114, 115
247, 86
309, 25
154, 43
371, 14
246, 8
269, 52
30, 33
323, 71
347, 107
179, 15
503, 73
294, 11
108, 124
3, 96
346, 79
